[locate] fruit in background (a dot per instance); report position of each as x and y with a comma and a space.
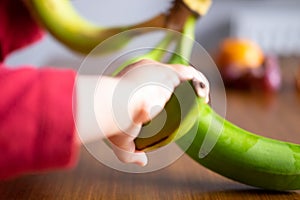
242, 53
243, 65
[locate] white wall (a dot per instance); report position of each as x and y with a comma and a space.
269, 18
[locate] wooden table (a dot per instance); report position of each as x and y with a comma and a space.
276, 116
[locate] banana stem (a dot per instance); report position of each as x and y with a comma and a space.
184, 48
157, 53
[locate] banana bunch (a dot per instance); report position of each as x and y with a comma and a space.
237, 154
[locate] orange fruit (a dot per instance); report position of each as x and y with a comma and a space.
241, 53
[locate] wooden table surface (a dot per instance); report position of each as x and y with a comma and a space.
275, 116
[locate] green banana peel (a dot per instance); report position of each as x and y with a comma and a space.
236, 154
243, 156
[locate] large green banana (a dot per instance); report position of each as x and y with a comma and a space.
61, 19
237, 154
243, 156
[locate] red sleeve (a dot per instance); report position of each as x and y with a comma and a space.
36, 120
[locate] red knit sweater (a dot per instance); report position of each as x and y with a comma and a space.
36, 119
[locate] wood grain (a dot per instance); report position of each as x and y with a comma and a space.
275, 116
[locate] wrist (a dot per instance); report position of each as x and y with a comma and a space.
103, 106
86, 123
95, 119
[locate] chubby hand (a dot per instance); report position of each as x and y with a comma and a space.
136, 96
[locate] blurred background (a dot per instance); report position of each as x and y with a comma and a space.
273, 24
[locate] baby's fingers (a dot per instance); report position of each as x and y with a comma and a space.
124, 147
200, 82
183, 72
136, 157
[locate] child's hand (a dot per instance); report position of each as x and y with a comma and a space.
141, 92
124, 103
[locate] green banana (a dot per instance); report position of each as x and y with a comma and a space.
242, 156
61, 19
237, 154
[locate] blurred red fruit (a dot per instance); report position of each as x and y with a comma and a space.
243, 65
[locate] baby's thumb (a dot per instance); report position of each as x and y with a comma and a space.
140, 158
136, 157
